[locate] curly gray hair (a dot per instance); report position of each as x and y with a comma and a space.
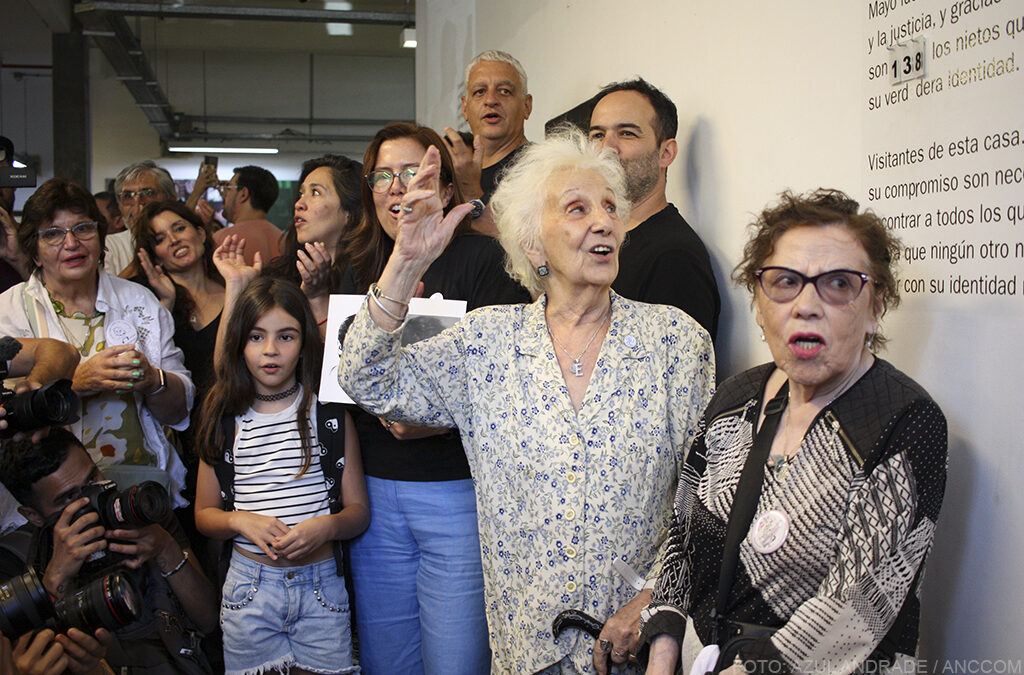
518, 203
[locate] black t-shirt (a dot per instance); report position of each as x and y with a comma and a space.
470, 269
664, 261
490, 175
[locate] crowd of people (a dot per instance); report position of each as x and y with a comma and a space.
563, 450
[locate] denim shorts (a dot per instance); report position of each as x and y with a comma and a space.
276, 618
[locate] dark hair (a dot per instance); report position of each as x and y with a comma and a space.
111, 200
367, 246
819, 208
24, 463
260, 183
233, 391
184, 303
57, 194
345, 174
666, 120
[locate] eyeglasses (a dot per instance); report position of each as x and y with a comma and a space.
222, 187
129, 195
55, 236
836, 287
381, 181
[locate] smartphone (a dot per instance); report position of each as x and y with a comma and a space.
466, 136
211, 160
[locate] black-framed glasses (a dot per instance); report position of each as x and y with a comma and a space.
55, 236
836, 287
381, 181
148, 193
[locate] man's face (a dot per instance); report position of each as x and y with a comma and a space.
494, 104
624, 122
136, 194
50, 495
115, 222
230, 192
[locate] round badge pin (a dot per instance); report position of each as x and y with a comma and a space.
769, 531
120, 332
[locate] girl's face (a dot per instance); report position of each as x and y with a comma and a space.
272, 351
318, 212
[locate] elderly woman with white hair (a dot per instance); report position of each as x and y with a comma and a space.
575, 411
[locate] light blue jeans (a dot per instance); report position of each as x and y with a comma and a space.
279, 617
419, 589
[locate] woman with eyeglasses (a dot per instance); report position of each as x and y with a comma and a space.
132, 378
417, 572
840, 457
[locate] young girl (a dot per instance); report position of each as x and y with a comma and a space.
273, 460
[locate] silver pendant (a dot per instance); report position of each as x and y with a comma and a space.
576, 368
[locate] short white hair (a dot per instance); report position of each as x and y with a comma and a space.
518, 203
501, 57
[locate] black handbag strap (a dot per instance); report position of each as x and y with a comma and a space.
744, 505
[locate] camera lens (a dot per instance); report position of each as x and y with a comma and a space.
138, 506
52, 405
24, 605
109, 602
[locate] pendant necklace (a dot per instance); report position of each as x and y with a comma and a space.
577, 368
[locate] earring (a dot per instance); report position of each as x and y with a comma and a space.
763, 338
869, 340
543, 271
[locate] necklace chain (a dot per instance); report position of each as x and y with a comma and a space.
279, 395
577, 368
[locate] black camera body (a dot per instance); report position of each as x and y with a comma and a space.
11, 177
137, 506
54, 404
110, 602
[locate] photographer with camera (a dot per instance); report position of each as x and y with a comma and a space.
85, 528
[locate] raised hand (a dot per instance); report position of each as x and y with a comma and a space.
230, 261
161, 284
314, 264
423, 229
468, 161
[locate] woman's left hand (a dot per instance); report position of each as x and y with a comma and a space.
161, 284
314, 263
120, 368
423, 229
304, 538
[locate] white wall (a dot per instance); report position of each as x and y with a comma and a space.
770, 96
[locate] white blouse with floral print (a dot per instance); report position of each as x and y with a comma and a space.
560, 495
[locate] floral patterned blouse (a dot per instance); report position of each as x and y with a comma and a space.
560, 494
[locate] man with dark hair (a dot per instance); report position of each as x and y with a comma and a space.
107, 203
248, 196
48, 478
663, 260
136, 186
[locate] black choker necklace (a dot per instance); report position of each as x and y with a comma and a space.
279, 395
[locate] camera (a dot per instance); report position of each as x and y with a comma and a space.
108, 602
137, 506
51, 405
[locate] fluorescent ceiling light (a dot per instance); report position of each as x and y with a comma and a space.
341, 29
408, 38
223, 151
